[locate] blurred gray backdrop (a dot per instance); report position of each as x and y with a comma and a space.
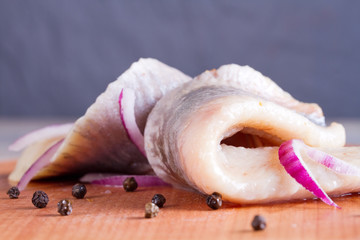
56, 57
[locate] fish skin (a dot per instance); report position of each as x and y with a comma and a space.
184, 131
252, 81
98, 141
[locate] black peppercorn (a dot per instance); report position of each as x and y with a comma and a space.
151, 210
40, 199
13, 192
258, 223
79, 190
64, 207
159, 200
214, 200
130, 184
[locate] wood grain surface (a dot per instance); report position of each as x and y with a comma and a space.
112, 213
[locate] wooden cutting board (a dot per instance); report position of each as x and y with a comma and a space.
112, 213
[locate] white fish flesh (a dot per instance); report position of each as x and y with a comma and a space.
98, 142
222, 131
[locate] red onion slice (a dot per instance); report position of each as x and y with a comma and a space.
127, 114
290, 158
42, 133
331, 162
39, 164
117, 180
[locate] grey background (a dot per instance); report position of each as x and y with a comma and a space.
56, 57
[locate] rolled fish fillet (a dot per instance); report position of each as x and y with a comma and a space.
222, 132
97, 142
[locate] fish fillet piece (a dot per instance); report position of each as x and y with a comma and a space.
217, 133
249, 80
36, 143
98, 141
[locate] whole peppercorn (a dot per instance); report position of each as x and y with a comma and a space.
13, 192
40, 199
130, 184
159, 200
214, 200
64, 207
79, 190
258, 223
151, 210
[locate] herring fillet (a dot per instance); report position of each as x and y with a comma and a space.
249, 80
217, 133
98, 142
